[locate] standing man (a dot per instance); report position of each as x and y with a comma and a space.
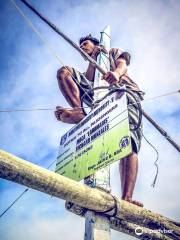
74, 84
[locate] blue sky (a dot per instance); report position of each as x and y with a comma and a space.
149, 30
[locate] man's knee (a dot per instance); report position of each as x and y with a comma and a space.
63, 72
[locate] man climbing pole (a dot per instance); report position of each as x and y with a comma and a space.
74, 84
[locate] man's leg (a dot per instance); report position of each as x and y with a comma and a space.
128, 168
71, 92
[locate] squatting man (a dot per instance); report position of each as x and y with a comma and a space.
67, 80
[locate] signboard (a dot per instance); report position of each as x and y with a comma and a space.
101, 138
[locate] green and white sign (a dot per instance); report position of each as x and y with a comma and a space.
101, 138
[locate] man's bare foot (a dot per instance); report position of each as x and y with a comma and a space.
72, 116
133, 202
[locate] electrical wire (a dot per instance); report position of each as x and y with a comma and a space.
39, 109
14, 202
55, 161
54, 55
20, 196
33, 109
155, 162
47, 44
114, 89
28, 188
153, 184
52, 109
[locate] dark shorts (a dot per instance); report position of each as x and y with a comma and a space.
136, 136
85, 85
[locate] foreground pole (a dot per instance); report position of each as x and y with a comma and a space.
20, 171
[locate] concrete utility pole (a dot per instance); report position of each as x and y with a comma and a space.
98, 227
20, 171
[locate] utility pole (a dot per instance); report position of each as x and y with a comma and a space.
97, 227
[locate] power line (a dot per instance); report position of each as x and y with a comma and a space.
28, 188
14, 202
155, 162
38, 109
49, 109
47, 44
52, 109
20, 196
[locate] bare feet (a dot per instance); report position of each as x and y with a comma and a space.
133, 202
72, 116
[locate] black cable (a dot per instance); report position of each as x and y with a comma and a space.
14, 202
114, 207
113, 89
155, 162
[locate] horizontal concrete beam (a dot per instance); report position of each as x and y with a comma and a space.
23, 172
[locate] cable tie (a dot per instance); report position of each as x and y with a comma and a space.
115, 207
